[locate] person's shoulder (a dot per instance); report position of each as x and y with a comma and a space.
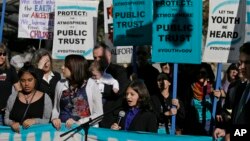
42, 94
46, 96
235, 84
62, 82
91, 82
107, 76
57, 74
148, 113
11, 71
12, 68
150, 66
13, 94
12, 98
39, 94
116, 66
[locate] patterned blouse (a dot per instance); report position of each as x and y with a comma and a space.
74, 104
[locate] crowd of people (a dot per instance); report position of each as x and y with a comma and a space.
85, 90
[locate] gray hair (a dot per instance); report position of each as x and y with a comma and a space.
38, 55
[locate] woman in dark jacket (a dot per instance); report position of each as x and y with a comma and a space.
170, 106
139, 115
47, 77
8, 78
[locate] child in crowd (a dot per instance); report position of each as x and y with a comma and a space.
101, 77
138, 115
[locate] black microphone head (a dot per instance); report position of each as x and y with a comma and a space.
121, 114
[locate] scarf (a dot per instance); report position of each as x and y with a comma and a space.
198, 90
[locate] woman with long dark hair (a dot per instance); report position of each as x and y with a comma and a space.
77, 98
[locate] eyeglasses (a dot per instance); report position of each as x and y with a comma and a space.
3, 53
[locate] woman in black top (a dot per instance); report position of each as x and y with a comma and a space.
29, 106
139, 115
8, 78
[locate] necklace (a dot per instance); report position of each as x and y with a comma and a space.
26, 98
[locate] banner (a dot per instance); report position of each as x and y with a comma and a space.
36, 19
132, 22
46, 132
120, 54
177, 31
226, 31
247, 33
75, 28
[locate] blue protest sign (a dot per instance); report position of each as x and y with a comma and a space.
177, 31
132, 22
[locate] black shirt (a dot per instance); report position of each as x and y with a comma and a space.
45, 87
8, 77
35, 110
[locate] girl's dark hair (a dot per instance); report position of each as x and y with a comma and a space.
144, 101
101, 45
245, 48
28, 67
232, 66
78, 67
208, 73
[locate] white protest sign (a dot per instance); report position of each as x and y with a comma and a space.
36, 19
75, 28
120, 54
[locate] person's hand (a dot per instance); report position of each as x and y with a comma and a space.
70, 122
176, 103
115, 90
15, 126
167, 113
218, 132
115, 126
28, 122
173, 111
56, 123
219, 118
43, 61
219, 93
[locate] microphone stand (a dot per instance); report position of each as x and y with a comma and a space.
85, 126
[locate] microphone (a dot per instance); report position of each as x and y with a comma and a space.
121, 115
